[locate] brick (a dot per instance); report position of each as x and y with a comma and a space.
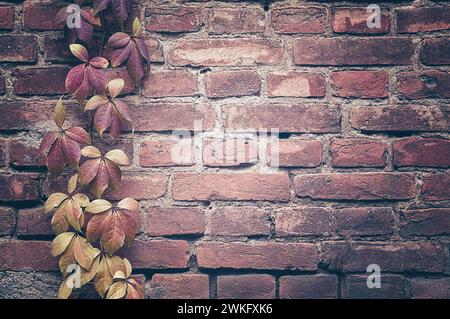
240, 221
309, 287
18, 48
232, 83
29, 285
360, 84
392, 287
344, 51
170, 83
309, 221
7, 221
364, 221
436, 187
405, 118
357, 152
425, 222
226, 52
422, 19
175, 221
423, 85
245, 186
229, 152
19, 187
246, 287
431, 152
286, 118
56, 49
295, 84
355, 21
2, 85
166, 153
140, 186
40, 15
435, 51
174, 20
235, 20
6, 17
3, 152
24, 153
296, 153
391, 257
179, 286
40, 81
153, 117
154, 50
359, 186
299, 19
158, 254
258, 255
28, 255
424, 288
34, 222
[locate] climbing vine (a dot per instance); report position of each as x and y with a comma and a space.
90, 230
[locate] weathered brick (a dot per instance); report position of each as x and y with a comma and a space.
240, 221
29, 285
309, 287
296, 153
56, 49
422, 19
344, 51
424, 288
391, 257
232, 83
7, 221
360, 84
364, 221
426, 222
309, 221
360, 186
19, 187
258, 255
18, 48
174, 20
40, 15
246, 287
286, 118
223, 20
229, 152
34, 221
27, 255
404, 118
299, 19
423, 85
436, 187
226, 52
357, 152
296, 84
166, 153
154, 50
170, 83
175, 221
435, 51
179, 286
3, 152
6, 17
392, 287
244, 186
2, 85
158, 254
431, 152
140, 186
355, 21
40, 81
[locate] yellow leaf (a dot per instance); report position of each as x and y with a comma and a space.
60, 114
118, 157
98, 206
129, 204
87, 276
117, 290
61, 242
72, 184
91, 151
103, 279
115, 87
74, 214
53, 201
81, 199
119, 275
95, 102
128, 267
64, 290
59, 221
137, 28
84, 252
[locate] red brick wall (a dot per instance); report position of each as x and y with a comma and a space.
363, 177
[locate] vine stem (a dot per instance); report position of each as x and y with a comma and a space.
102, 44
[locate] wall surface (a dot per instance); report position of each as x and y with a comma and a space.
363, 114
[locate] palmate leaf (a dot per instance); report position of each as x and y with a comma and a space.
120, 8
130, 50
110, 267
61, 148
110, 113
87, 77
115, 225
101, 171
83, 32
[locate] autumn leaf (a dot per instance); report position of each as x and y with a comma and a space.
110, 112
113, 225
120, 8
84, 31
61, 148
101, 171
87, 77
108, 268
130, 50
